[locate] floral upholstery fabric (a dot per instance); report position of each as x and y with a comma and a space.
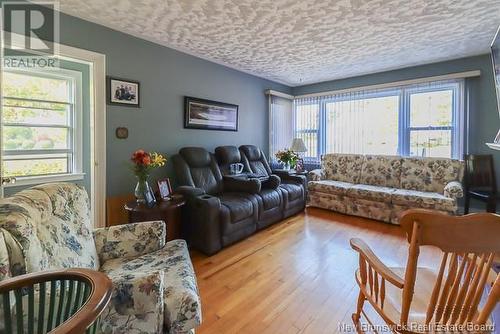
129, 240
49, 227
329, 187
342, 167
429, 174
141, 283
17, 264
314, 175
375, 193
381, 170
421, 199
454, 190
4, 259
369, 209
52, 225
327, 201
385, 185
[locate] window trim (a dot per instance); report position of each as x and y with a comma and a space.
75, 168
456, 87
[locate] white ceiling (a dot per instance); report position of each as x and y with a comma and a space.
298, 42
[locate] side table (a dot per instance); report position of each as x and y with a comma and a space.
168, 211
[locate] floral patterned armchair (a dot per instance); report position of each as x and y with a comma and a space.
49, 227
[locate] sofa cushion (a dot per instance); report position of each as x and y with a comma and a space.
330, 187
381, 170
422, 199
369, 192
137, 285
239, 206
342, 167
429, 174
271, 198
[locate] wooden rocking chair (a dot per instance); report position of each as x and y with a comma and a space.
421, 300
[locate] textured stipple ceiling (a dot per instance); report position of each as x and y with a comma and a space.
305, 41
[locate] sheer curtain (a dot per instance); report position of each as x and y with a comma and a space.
280, 125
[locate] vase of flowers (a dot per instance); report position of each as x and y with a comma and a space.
288, 157
143, 163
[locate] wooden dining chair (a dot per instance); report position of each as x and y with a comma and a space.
479, 181
418, 300
57, 302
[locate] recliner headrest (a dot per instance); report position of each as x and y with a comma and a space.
195, 156
227, 154
251, 151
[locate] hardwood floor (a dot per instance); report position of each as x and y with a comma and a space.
294, 277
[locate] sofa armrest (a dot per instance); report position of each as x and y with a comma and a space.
130, 240
251, 186
315, 175
273, 182
188, 191
454, 190
200, 218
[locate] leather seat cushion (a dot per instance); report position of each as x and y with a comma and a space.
422, 199
330, 186
294, 190
238, 204
270, 198
375, 193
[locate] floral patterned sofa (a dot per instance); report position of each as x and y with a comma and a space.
381, 187
49, 227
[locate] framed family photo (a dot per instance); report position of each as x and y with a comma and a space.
210, 115
165, 189
123, 92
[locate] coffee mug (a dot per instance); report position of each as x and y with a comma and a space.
236, 168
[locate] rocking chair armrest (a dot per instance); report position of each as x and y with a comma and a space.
367, 254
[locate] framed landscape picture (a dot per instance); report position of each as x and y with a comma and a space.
210, 115
123, 92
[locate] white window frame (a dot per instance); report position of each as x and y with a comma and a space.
457, 116
404, 92
76, 129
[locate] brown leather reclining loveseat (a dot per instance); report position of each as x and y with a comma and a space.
221, 208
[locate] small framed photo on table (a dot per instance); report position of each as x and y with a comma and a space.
165, 189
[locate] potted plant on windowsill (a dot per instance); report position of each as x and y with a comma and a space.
288, 157
143, 163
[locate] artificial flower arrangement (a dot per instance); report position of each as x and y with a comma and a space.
143, 163
288, 157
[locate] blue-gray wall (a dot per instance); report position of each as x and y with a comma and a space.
484, 119
166, 76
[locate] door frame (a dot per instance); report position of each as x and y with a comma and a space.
97, 63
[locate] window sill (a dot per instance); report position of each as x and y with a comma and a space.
34, 180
